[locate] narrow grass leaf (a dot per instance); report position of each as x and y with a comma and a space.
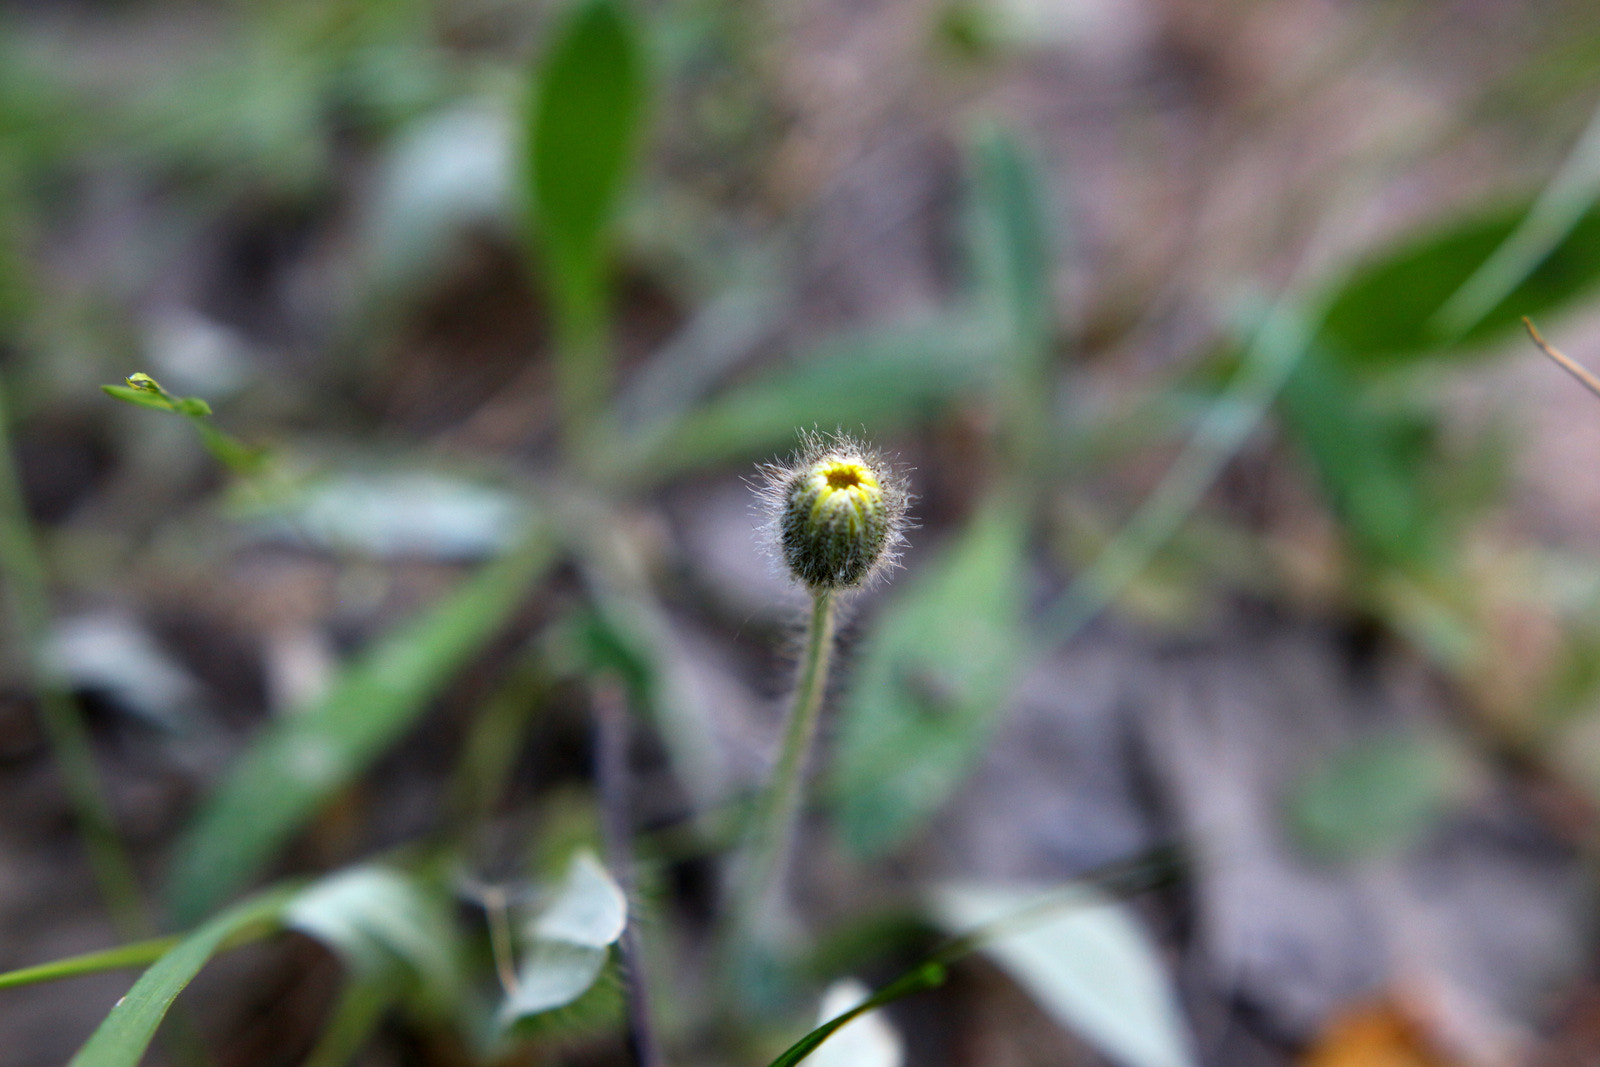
931, 678
868, 1041
124, 1034
138, 397
145, 391
136, 954
928, 976
1091, 967
301, 760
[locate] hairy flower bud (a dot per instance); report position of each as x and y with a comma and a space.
840, 512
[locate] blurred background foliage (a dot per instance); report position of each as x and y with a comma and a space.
1249, 525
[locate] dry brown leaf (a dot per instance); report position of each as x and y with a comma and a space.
1375, 1034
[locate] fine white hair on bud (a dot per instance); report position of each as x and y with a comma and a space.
837, 511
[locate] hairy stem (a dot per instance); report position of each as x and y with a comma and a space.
774, 821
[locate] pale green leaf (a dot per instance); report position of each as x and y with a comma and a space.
554, 975
372, 915
588, 909
1088, 963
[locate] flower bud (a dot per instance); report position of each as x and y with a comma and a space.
840, 512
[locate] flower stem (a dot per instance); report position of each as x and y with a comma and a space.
773, 825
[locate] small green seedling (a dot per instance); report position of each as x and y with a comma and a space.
143, 390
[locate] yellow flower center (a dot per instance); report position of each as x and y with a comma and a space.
836, 523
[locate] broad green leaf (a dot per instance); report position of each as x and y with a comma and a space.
583, 126
1570, 193
124, 1034
1387, 313
931, 679
588, 909
299, 761
1091, 966
1374, 797
374, 915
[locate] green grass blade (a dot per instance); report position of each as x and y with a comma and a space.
137, 954
144, 391
928, 976
300, 761
124, 1034
138, 397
